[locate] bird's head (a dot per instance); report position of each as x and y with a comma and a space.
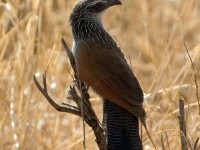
92, 9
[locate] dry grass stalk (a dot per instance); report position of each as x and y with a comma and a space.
195, 77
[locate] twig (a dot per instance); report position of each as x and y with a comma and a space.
181, 118
71, 106
70, 56
195, 77
50, 100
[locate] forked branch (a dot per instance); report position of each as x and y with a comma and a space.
44, 91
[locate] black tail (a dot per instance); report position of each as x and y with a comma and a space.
122, 128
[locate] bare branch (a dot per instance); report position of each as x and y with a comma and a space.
71, 106
70, 56
181, 118
50, 100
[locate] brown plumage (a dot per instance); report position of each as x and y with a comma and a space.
107, 72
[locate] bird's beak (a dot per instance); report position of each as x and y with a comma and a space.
114, 2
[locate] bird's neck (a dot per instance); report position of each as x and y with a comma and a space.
84, 28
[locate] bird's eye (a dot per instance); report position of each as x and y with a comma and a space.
99, 5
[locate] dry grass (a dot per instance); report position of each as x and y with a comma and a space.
152, 33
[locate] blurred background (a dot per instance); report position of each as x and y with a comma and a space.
152, 35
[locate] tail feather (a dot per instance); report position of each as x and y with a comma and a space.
122, 128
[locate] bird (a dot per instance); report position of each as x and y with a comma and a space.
102, 65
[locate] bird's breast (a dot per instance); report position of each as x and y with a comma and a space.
85, 61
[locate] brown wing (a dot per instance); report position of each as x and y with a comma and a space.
116, 77
108, 73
